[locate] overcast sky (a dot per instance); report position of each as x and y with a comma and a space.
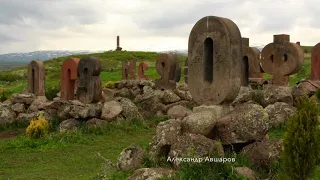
152, 25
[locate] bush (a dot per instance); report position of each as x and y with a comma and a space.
301, 141
109, 84
52, 91
3, 96
318, 94
38, 127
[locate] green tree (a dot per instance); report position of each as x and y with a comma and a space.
301, 141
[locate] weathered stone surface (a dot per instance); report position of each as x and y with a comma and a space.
26, 116
34, 107
279, 112
166, 65
69, 77
263, 153
169, 97
130, 110
199, 123
7, 115
245, 94
194, 146
89, 83
281, 58
305, 88
94, 122
69, 124
186, 71
129, 68
108, 94
63, 112
36, 78
178, 112
246, 172
111, 110
216, 110
151, 174
184, 95
18, 107
88, 111
246, 123
23, 98
143, 66
215, 73
315, 63
166, 135
130, 158
51, 114
273, 94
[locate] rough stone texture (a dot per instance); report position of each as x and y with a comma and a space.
281, 58
279, 112
169, 97
178, 112
194, 146
151, 174
107, 94
186, 71
143, 66
89, 83
130, 158
130, 110
63, 112
36, 78
166, 135
251, 67
34, 107
26, 116
304, 88
7, 115
111, 110
18, 107
263, 153
199, 123
273, 94
245, 94
166, 65
217, 110
129, 68
51, 114
69, 73
23, 98
70, 124
95, 122
87, 111
246, 123
246, 172
315, 63
224, 66
184, 95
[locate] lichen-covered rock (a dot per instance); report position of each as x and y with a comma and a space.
279, 112
151, 174
124, 92
169, 97
184, 95
199, 123
88, 111
194, 146
7, 115
130, 158
64, 112
110, 110
246, 94
69, 124
147, 90
23, 98
26, 116
217, 110
94, 122
263, 153
18, 107
107, 94
182, 87
246, 123
166, 135
129, 110
51, 114
178, 112
246, 172
34, 107
273, 94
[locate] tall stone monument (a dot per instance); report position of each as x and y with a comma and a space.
36, 78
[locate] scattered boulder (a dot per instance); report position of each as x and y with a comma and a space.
26, 116
279, 112
23, 98
69, 124
110, 110
107, 94
151, 174
95, 122
199, 123
7, 115
178, 112
246, 94
130, 110
34, 107
169, 97
130, 158
246, 123
88, 111
246, 172
18, 107
217, 110
273, 94
184, 95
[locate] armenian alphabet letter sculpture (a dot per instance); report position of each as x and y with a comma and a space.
69, 74
129, 68
315, 63
142, 67
214, 60
89, 83
166, 66
36, 78
186, 71
281, 59
251, 58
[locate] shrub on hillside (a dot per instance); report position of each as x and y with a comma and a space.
38, 127
3, 95
301, 141
52, 91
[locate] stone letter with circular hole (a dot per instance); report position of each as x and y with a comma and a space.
315, 63
89, 83
143, 67
251, 58
36, 78
214, 60
129, 70
69, 73
281, 59
166, 66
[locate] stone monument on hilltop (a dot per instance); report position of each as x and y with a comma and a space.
214, 73
118, 44
89, 83
69, 73
281, 58
36, 78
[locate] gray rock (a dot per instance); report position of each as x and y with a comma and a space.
130, 158
151, 174
246, 172
7, 115
18, 107
130, 110
217, 110
23, 98
110, 110
69, 124
273, 94
199, 123
279, 112
178, 112
94, 122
